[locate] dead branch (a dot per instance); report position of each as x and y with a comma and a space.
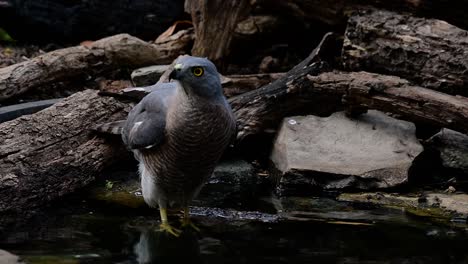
108, 53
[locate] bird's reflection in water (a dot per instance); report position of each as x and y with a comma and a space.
161, 247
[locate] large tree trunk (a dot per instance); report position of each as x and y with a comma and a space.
52, 153
431, 53
214, 22
105, 54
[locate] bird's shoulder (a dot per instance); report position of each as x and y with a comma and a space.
146, 122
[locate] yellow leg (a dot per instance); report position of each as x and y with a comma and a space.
165, 226
186, 220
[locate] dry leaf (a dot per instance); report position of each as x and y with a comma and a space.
181, 24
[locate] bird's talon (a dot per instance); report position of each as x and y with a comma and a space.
170, 229
188, 223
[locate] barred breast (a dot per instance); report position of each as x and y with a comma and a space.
197, 135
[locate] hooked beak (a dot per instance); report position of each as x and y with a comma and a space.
175, 73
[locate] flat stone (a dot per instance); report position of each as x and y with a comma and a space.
457, 203
453, 148
428, 204
371, 151
8, 258
232, 182
148, 75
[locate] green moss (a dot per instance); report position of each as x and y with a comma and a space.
123, 198
5, 37
50, 259
409, 204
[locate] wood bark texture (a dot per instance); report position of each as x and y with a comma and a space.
335, 13
308, 91
391, 94
262, 109
52, 153
109, 53
428, 52
238, 84
214, 22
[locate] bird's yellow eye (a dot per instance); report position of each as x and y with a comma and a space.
197, 71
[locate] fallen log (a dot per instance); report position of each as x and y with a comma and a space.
52, 153
109, 53
241, 83
310, 91
298, 92
428, 52
397, 96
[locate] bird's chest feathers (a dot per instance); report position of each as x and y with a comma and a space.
192, 123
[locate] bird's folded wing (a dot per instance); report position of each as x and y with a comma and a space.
146, 123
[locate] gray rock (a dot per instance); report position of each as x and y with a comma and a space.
428, 204
148, 75
453, 148
371, 151
8, 258
232, 182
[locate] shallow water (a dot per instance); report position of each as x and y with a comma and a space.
316, 230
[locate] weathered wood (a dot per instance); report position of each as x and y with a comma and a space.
214, 22
241, 83
109, 53
335, 13
262, 109
309, 91
225, 27
428, 52
397, 96
52, 153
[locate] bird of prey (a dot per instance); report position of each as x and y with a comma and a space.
178, 133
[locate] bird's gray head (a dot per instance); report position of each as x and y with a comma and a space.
198, 76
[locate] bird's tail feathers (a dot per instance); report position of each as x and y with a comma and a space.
114, 128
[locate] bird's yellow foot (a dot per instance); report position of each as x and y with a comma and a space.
186, 222
165, 226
